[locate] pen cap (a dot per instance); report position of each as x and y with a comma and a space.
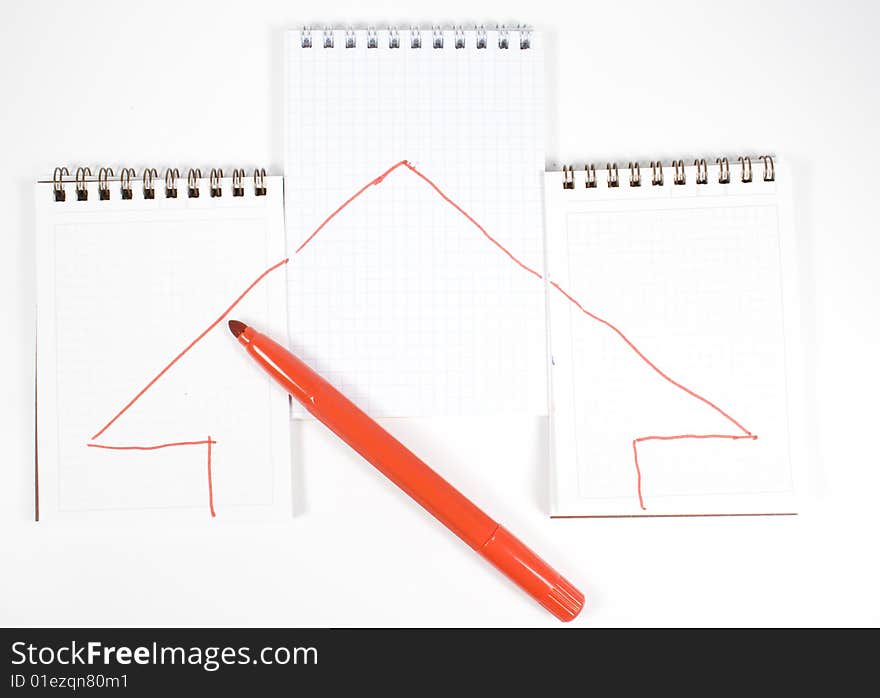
544, 584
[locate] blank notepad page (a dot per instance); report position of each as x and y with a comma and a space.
414, 166
674, 337
147, 407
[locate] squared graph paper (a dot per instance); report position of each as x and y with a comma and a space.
674, 332
409, 298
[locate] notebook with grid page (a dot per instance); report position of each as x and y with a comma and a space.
146, 407
414, 163
674, 339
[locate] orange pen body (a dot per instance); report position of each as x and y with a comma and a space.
413, 476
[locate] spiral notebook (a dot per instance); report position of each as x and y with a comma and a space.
413, 166
146, 407
674, 341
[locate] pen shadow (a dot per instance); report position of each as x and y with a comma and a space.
804, 190
26, 282
277, 61
298, 500
542, 467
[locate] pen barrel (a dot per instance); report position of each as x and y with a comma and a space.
356, 428
526, 569
406, 470
402, 467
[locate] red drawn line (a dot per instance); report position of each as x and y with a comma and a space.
746, 434
464, 213
371, 183
675, 437
209, 442
644, 358
210, 480
210, 327
189, 346
577, 303
204, 442
153, 448
412, 168
140, 393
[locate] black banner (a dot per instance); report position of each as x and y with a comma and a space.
176, 662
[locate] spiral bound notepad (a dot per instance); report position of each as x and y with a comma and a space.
414, 165
146, 407
673, 322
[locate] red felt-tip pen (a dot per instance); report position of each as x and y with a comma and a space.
413, 476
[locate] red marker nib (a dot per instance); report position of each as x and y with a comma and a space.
236, 327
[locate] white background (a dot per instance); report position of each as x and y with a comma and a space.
170, 83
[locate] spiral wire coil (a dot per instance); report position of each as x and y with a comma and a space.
128, 176
437, 37
679, 172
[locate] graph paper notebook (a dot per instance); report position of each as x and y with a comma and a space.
406, 296
146, 407
673, 323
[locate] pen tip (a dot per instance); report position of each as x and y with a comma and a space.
236, 327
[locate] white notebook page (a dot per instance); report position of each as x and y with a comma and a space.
124, 287
675, 384
400, 299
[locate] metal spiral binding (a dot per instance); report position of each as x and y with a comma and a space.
438, 37
702, 171
656, 173
58, 183
192, 182
149, 175
259, 182
103, 186
679, 172
746, 165
590, 172
613, 175
82, 190
237, 187
171, 183
678, 176
723, 170
216, 185
127, 175
635, 175
769, 169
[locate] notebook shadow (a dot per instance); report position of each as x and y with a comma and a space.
298, 500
